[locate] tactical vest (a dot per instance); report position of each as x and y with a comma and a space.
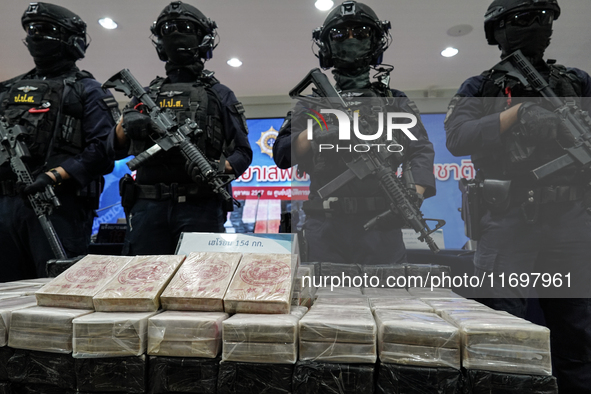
198, 102
516, 158
51, 111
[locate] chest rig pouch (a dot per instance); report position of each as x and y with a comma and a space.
195, 101
50, 111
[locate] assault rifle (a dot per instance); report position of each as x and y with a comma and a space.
13, 149
399, 197
170, 135
576, 122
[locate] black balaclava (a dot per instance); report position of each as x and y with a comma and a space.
51, 55
531, 40
182, 50
351, 59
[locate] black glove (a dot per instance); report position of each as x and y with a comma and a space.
324, 136
137, 126
39, 185
539, 124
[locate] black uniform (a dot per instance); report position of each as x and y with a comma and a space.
166, 198
535, 227
352, 39
68, 118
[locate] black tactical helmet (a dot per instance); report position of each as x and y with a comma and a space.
73, 27
501, 8
351, 11
177, 10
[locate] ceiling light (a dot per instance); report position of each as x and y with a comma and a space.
324, 5
449, 52
107, 23
234, 62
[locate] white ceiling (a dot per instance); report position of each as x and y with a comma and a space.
273, 39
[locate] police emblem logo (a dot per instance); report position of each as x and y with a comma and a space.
27, 89
267, 140
171, 93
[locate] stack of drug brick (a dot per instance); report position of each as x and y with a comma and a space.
184, 341
418, 350
501, 352
97, 310
337, 347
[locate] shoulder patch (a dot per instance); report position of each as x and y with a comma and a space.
452, 106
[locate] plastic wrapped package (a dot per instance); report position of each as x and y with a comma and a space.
243, 327
183, 375
46, 329
386, 292
299, 283
385, 271
31, 368
341, 302
336, 269
457, 317
333, 324
119, 374
260, 352
21, 291
262, 284
455, 304
338, 352
404, 379
329, 378
201, 282
504, 345
419, 275
401, 304
185, 334
485, 382
342, 292
262, 338
110, 334
75, 287
7, 306
426, 293
415, 338
248, 378
138, 286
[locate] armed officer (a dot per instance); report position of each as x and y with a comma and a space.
67, 119
351, 41
529, 226
168, 197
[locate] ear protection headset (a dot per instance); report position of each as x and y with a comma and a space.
180, 11
354, 12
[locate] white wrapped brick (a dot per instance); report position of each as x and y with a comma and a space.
201, 282
262, 284
435, 293
46, 329
138, 286
110, 334
185, 334
338, 352
332, 324
385, 292
6, 308
425, 356
341, 302
75, 287
255, 352
401, 304
243, 327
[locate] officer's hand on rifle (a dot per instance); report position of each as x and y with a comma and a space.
137, 125
539, 124
42, 181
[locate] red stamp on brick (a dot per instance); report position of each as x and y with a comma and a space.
210, 271
93, 273
265, 272
144, 273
